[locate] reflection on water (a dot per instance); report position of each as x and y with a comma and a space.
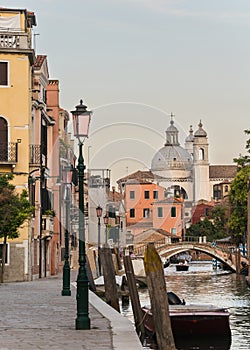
202, 285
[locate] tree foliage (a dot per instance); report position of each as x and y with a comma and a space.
219, 215
14, 210
213, 227
202, 228
238, 202
238, 196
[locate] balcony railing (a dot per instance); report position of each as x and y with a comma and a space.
47, 225
35, 154
8, 152
19, 41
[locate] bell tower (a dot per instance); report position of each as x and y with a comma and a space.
201, 165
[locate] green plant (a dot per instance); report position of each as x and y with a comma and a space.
50, 212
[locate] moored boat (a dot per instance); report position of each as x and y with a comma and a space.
193, 320
182, 266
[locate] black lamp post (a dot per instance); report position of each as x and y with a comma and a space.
106, 221
66, 268
81, 120
99, 214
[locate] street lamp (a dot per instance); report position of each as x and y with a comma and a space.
99, 214
81, 120
106, 221
66, 268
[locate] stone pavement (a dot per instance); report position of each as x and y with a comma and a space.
34, 315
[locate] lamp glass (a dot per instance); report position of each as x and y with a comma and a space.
106, 220
81, 124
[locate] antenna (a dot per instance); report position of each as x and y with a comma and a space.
34, 40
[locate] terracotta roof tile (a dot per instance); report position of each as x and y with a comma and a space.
39, 61
222, 171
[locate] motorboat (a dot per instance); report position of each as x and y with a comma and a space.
182, 266
193, 321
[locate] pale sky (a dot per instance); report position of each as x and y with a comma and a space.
133, 62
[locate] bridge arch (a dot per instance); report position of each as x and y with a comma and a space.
226, 256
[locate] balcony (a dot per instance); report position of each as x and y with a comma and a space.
47, 225
8, 153
35, 155
14, 41
17, 42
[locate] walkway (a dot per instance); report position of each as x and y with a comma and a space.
34, 315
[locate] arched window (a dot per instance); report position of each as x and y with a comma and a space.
3, 140
201, 154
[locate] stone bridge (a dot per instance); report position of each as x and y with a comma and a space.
230, 257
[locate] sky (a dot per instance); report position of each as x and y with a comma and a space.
134, 62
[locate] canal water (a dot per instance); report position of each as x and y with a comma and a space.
203, 285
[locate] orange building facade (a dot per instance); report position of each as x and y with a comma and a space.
148, 206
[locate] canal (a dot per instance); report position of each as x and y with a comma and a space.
203, 285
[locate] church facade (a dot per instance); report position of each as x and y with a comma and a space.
181, 172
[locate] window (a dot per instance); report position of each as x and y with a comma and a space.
160, 212
4, 73
201, 154
155, 194
3, 140
146, 194
1, 252
206, 211
173, 231
173, 212
132, 213
146, 212
132, 194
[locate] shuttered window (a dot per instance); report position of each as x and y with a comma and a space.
4, 74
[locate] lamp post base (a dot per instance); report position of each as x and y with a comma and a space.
66, 292
82, 299
66, 280
82, 323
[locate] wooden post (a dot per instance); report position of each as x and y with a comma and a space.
117, 254
248, 227
111, 293
158, 298
238, 267
134, 297
92, 286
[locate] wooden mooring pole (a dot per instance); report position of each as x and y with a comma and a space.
248, 228
111, 293
158, 298
134, 297
238, 266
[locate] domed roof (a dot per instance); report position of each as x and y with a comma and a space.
172, 128
190, 137
200, 132
171, 157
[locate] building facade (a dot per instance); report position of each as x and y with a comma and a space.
35, 146
17, 59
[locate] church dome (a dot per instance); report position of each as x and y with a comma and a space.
172, 156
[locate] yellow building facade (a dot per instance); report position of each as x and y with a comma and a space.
16, 62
